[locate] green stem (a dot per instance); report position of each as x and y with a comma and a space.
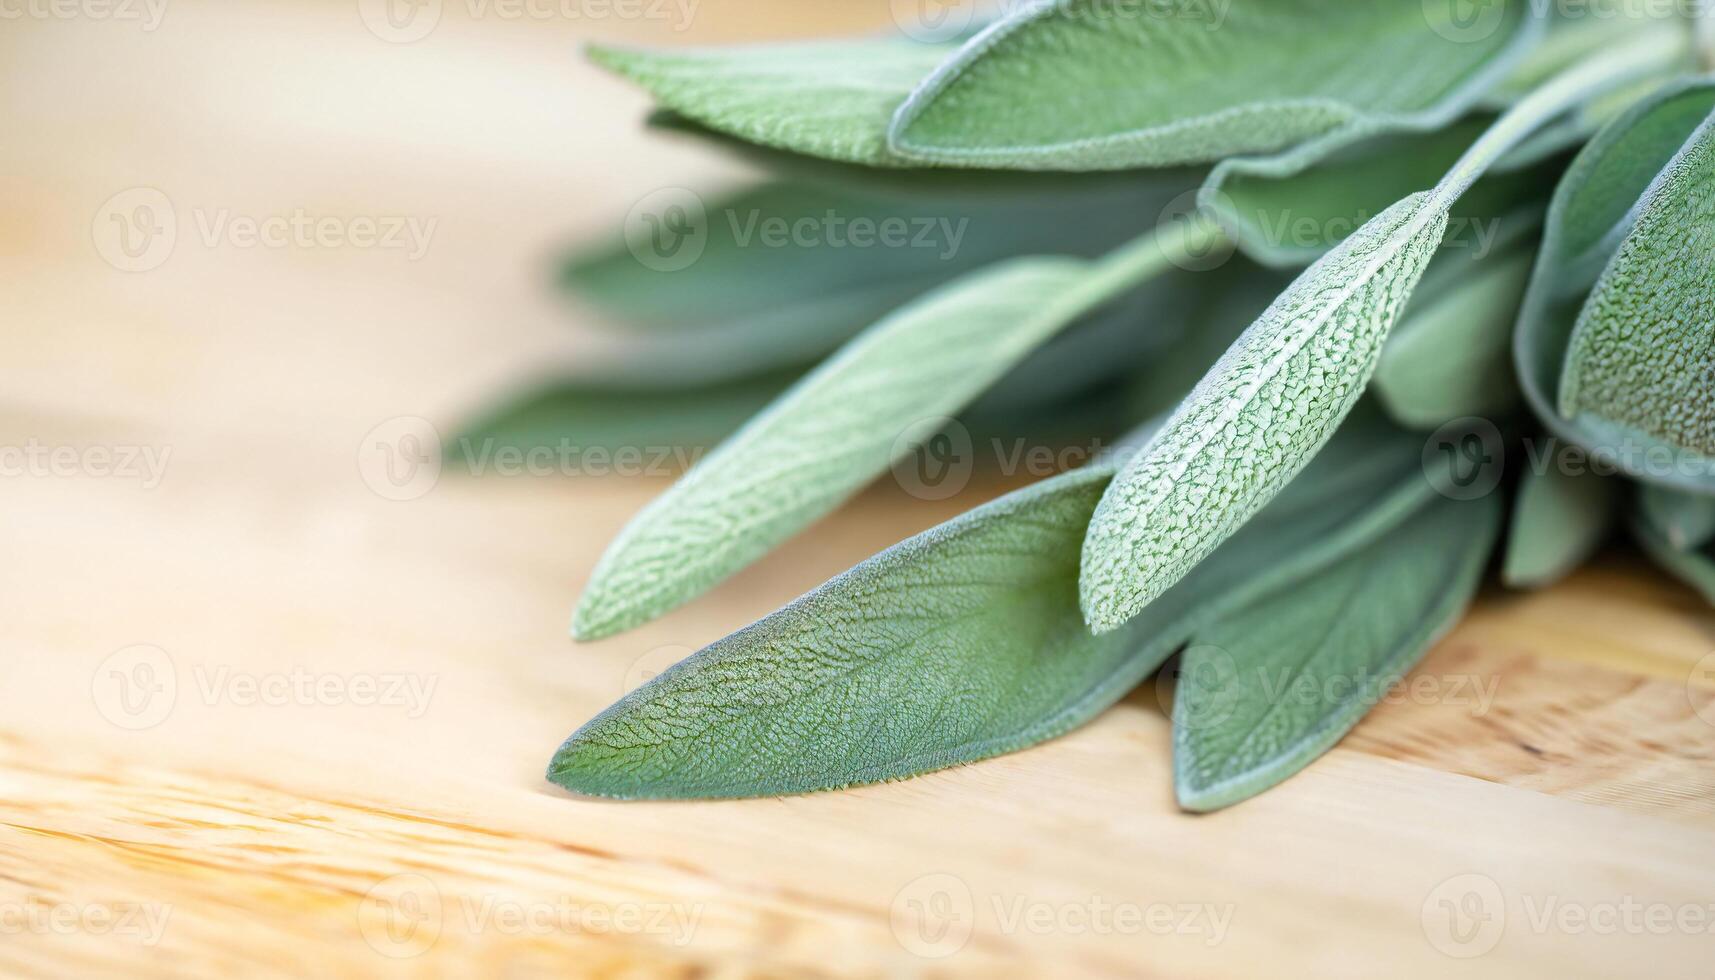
1631, 59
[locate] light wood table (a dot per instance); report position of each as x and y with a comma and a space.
258, 720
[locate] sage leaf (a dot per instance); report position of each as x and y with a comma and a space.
1593, 213
1560, 518
849, 420
1686, 521
1695, 567
829, 99
1642, 354
1450, 356
1265, 691
961, 643
1258, 417
1088, 85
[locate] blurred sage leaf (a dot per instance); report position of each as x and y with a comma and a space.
1560, 517
1693, 566
1685, 521
829, 99
1266, 690
1450, 356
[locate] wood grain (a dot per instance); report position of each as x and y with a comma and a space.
271, 832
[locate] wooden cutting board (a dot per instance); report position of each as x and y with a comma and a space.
259, 719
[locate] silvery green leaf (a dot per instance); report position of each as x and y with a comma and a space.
1695, 567
1560, 518
1450, 356
1259, 415
961, 643
1641, 359
1089, 85
1686, 521
1265, 691
1594, 211
850, 419
829, 99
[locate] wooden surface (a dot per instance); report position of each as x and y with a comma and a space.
1552, 787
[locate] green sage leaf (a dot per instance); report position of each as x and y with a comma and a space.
1265, 691
1560, 518
961, 643
1695, 567
1594, 213
1258, 417
1451, 356
1642, 354
844, 424
1685, 521
1087, 85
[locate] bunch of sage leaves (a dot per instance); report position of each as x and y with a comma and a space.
1503, 231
